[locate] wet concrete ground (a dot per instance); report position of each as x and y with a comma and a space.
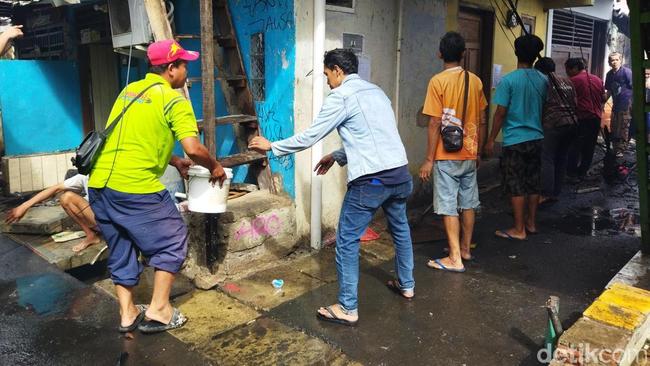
490, 315
50, 318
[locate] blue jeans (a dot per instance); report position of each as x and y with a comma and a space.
359, 206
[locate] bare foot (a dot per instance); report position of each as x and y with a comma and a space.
338, 313
128, 318
88, 241
164, 316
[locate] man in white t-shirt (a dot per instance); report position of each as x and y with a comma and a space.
72, 202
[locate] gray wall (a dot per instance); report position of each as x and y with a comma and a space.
423, 24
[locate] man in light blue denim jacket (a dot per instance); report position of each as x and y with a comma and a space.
377, 176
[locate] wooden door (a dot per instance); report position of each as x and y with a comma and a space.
477, 27
469, 26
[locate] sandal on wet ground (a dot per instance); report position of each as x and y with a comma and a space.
502, 234
332, 318
393, 285
154, 326
442, 267
138, 319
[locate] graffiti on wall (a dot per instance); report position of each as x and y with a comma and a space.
268, 225
276, 19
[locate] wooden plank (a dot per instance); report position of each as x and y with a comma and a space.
247, 157
13, 166
49, 171
61, 167
187, 36
37, 172
231, 120
207, 75
25, 174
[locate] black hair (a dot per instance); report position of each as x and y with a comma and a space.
160, 69
343, 58
575, 63
546, 65
452, 46
528, 47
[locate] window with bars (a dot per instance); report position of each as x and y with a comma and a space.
257, 78
571, 29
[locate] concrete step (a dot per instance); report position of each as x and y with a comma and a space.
61, 254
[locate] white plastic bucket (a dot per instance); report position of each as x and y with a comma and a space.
202, 196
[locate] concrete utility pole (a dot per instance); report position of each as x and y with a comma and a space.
207, 75
160, 27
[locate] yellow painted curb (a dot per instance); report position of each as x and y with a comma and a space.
622, 306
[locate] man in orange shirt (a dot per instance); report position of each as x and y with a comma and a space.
454, 173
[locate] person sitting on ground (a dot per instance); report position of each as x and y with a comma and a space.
378, 176
559, 121
76, 206
520, 98
454, 173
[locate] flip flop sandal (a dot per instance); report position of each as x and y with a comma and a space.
138, 319
443, 268
502, 234
393, 285
154, 326
334, 319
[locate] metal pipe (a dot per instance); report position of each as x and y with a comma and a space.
317, 101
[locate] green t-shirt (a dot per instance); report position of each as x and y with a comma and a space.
142, 144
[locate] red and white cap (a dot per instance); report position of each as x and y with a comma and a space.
164, 52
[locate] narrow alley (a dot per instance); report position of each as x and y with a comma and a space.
490, 315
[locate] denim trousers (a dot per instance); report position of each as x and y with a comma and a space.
359, 206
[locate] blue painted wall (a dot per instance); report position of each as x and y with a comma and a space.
41, 106
276, 19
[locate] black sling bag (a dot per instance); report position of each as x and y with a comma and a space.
87, 153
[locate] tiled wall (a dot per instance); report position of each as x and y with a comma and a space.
35, 172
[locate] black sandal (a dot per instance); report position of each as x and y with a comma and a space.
335, 319
393, 285
154, 326
136, 322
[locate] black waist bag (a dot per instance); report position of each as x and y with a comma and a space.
452, 136
88, 152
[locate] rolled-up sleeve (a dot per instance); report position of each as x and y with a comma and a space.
331, 115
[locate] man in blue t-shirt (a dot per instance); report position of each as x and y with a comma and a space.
520, 98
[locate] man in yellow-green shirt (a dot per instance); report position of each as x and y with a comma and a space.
133, 210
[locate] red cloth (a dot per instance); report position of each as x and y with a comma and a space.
589, 91
369, 235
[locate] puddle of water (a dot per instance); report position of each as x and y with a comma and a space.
45, 294
595, 221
